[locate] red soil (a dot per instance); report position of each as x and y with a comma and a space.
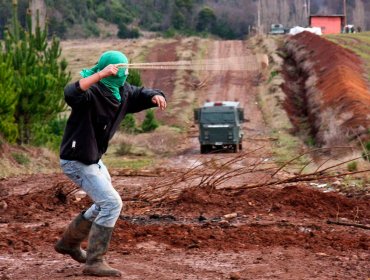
341, 90
286, 223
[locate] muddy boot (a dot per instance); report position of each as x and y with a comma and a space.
69, 244
98, 243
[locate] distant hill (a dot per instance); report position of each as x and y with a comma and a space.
228, 19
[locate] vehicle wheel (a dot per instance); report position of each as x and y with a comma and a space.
236, 148
240, 146
203, 149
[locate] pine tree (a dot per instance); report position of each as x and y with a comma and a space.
39, 75
8, 98
134, 78
129, 124
150, 123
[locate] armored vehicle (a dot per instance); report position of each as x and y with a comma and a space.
277, 29
220, 126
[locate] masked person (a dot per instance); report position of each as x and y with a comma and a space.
99, 102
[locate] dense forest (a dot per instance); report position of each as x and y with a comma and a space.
229, 19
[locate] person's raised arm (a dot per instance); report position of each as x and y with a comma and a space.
87, 82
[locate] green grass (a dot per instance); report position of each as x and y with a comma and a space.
128, 162
287, 146
352, 166
21, 158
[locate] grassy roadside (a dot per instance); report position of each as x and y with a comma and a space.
270, 99
18, 160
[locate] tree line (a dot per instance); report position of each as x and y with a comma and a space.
79, 19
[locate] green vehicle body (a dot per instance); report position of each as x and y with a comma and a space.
220, 126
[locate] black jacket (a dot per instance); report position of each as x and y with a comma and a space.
95, 117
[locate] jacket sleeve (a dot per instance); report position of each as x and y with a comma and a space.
75, 96
140, 98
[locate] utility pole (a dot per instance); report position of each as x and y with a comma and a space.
345, 12
309, 8
305, 13
308, 11
259, 16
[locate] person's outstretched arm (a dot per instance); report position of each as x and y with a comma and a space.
141, 98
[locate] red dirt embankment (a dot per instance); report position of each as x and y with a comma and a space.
326, 89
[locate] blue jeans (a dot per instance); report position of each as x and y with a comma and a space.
95, 180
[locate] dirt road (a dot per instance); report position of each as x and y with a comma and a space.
273, 233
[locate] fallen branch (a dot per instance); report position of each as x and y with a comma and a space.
216, 172
348, 224
296, 179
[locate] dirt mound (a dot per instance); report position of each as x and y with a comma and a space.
32, 216
300, 201
294, 216
326, 90
203, 219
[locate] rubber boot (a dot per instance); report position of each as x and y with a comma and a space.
70, 243
98, 244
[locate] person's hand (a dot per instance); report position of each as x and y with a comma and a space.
160, 101
109, 70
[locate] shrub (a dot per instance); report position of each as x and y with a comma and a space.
129, 124
352, 166
366, 152
310, 141
91, 29
50, 134
134, 78
124, 32
222, 29
124, 149
272, 75
21, 158
169, 33
149, 123
206, 20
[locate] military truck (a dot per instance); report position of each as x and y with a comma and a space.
277, 29
220, 126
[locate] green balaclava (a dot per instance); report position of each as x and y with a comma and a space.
111, 82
